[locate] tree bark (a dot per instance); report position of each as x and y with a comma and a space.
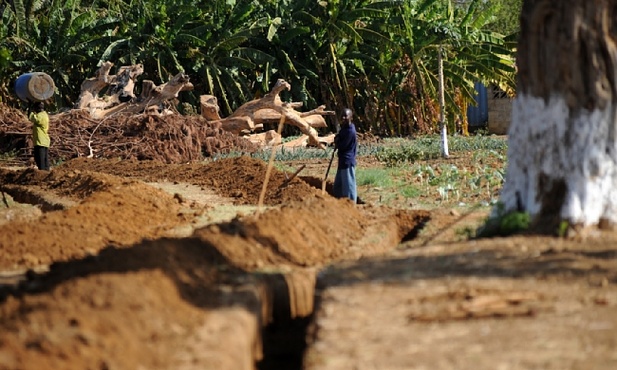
562, 158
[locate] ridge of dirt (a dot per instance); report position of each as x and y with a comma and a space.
113, 298
240, 178
311, 233
131, 308
112, 211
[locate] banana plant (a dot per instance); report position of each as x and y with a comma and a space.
229, 61
470, 53
56, 37
323, 45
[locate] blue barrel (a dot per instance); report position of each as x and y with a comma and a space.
34, 87
477, 114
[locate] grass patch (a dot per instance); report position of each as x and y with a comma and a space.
504, 223
391, 183
410, 191
375, 177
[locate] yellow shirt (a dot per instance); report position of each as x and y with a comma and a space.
40, 126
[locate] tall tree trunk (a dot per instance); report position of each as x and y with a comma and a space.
562, 158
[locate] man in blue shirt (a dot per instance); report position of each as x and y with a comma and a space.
346, 143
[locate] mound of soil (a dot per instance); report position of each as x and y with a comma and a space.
111, 210
240, 178
122, 292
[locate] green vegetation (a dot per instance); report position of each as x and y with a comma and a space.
429, 147
294, 154
506, 16
504, 224
7, 157
414, 170
563, 228
378, 57
376, 177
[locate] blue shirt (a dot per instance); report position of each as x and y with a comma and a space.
346, 143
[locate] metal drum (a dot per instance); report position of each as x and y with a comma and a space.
34, 87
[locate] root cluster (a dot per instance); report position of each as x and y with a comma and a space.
170, 138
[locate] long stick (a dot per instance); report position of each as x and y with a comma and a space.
287, 181
272, 155
323, 183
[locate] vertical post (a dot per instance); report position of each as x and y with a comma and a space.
442, 108
270, 163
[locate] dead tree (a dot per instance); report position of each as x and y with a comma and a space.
252, 115
120, 96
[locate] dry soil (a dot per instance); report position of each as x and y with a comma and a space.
126, 264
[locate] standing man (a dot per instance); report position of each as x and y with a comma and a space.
40, 136
346, 143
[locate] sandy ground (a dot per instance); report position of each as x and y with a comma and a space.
110, 264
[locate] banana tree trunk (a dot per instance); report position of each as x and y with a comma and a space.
562, 156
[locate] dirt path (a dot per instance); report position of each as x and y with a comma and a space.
516, 303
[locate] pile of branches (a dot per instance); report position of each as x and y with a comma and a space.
166, 138
15, 133
169, 138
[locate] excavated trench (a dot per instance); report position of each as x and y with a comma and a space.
284, 343
284, 338
237, 294
35, 197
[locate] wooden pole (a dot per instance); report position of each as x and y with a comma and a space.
325, 178
442, 108
287, 181
270, 163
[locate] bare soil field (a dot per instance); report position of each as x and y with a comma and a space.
129, 264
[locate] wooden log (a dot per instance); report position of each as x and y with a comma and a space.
210, 110
300, 142
120, 96
120, 87
91, 87
155, 96
266, 139
327, 140
272, 117
266, 109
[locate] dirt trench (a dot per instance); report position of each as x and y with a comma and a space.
111, 279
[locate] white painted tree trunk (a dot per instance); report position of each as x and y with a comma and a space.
562, 148
442, 109
561, 163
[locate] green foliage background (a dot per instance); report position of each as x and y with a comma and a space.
378, 57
